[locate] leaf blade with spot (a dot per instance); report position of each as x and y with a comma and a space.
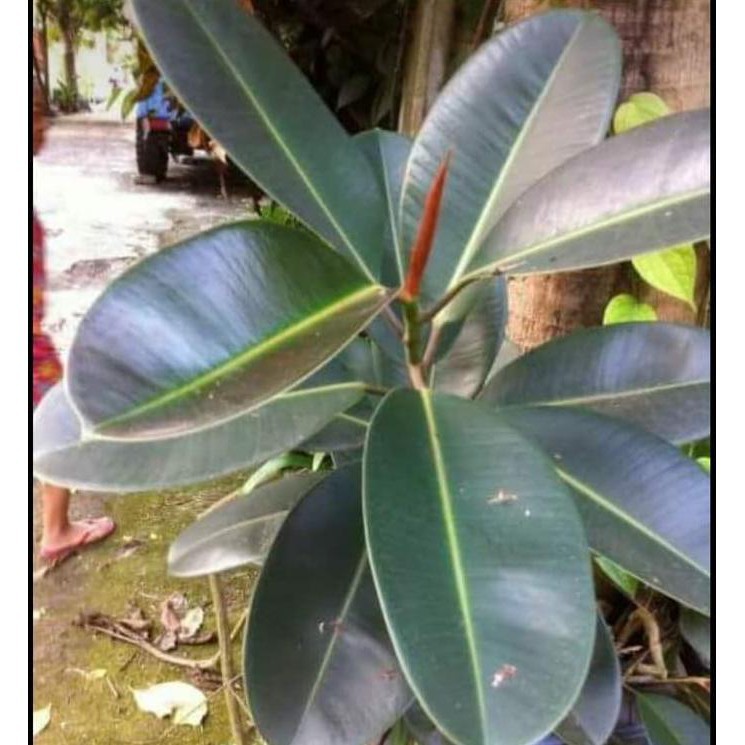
318, 662
474, 540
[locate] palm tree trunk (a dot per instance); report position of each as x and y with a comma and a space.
666, 50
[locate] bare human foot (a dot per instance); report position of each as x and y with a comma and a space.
75, 537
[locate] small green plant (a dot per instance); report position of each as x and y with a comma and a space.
64, 97
437, 581
672, 271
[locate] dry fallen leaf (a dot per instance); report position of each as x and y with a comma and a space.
42, 717
185, 703
191, 623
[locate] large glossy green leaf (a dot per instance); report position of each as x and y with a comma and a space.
62, 455
653, 374
644, 504
639, 192
241, 86
481, 566
239, 532
668, 722
213, 327
696, 630
388, 153
463, 369
592, 718
318, 662
526, 101
595, 713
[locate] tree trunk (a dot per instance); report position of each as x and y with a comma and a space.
69, 39
666, 51
45, 53
427, 61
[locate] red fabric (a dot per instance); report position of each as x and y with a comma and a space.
47, 367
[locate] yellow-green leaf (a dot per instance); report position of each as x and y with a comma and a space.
639, 109
672, 271
625, 308
705, 463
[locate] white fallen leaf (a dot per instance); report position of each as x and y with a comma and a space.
191, 622
185, 703
39, 614
42, 717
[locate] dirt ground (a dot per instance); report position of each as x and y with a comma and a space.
99, 221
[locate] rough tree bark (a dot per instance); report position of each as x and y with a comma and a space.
427, 59
666, 50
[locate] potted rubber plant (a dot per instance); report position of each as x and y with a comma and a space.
439, 577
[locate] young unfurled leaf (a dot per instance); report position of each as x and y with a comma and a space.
639, 109
672, 271
426, 234
185, 703
625, 308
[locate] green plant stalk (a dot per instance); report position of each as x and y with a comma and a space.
226, 659
413, 343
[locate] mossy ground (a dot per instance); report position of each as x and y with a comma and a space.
104, 580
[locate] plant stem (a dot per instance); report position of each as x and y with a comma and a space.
413, 344
450, 295
393, 321
226, 658
431, 348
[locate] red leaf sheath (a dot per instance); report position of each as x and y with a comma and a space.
425, 237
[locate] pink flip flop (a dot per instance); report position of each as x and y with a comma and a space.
97, 530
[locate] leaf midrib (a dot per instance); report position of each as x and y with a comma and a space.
507, 264
628, 519
243, 359
226, 531
326, 661
280, 142
461, 585
474, 240
95, 438
612, 396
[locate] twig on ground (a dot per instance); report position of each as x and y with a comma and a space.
99, 623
